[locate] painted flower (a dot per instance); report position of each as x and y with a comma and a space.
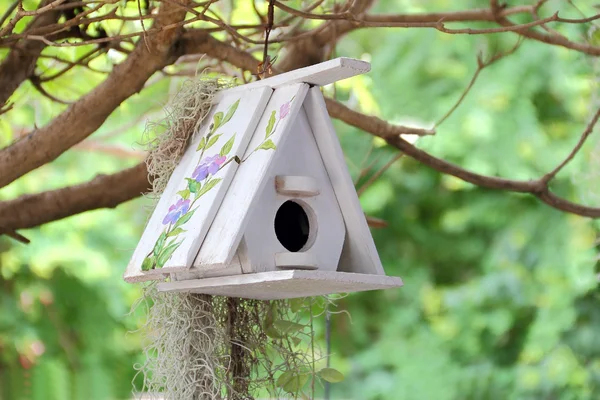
284, 110
176, 211
208, 166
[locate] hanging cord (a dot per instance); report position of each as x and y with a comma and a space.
265, 67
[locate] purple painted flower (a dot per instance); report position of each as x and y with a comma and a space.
208, 166
176, 211
284, 110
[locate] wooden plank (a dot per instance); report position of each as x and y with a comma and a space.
186, 209
271, 132
298, 260
284, 284
320, 74
359, 254
297, 186
298, 156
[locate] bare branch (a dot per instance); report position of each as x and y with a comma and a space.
371, 123
19, 64
377, 174
481, 65
586, 133
104, 191
90, 111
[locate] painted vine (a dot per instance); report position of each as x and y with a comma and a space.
203, 180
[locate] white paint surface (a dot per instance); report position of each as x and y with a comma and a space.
284, 284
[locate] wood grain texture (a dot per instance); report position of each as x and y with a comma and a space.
234, 133
228, 226
284, 284
359, 253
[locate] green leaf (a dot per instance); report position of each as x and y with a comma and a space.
164, 255
296, 304
193, 185
183, 219
212, 141
148, 263
270, 125
202, 144
227, 146
231, 111
292, 381
267, 145
273, 333
160, 242
331, 375
185, 194
176, 232
296, 340
217, 120
209, 185
287, 327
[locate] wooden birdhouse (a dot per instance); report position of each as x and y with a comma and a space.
262, 205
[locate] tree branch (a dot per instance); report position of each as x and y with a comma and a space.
20, 61
87, 114
104, 191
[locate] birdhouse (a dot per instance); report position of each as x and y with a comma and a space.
261, 204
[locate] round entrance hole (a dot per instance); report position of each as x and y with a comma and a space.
292, 226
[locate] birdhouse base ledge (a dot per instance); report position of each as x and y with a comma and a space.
283, 284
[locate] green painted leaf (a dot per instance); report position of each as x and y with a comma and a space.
217, 120
270, 125
231, 111
267, 145
287, 327
184, 218
164, 255
160, 242
209, 185
176, 232
292, 381
202, 144
212, 141
148, 263
185, 194
296, 340
227, 146
331, 375
193, 185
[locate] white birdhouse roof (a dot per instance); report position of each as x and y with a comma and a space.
202, 215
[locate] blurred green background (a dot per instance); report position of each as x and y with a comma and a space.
500, 298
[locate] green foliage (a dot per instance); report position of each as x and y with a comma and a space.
500, 298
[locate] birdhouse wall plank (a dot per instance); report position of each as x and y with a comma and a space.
272, 131
298, 155
359, 253
192, 197
234, 268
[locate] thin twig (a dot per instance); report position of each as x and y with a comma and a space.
9, 11
481, 65
586, 133
378, 173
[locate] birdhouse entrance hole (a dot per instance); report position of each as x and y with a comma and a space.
294, 226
